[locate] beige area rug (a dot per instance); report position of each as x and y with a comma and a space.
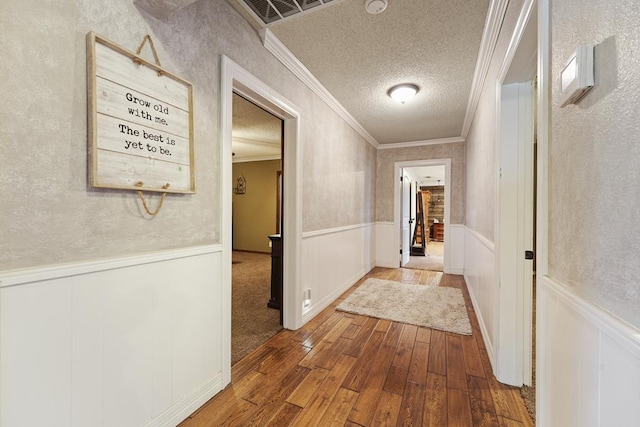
435, 307
252, 322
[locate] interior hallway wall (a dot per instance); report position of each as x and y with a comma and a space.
108, 316
385, 179
595, 158
480, 148
53, 217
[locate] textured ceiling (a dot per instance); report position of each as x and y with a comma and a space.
428, 175
358, 57
255, 134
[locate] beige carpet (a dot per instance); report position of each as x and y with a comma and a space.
435, 307
252, 322
433, 260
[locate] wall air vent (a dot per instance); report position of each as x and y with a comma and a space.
271, 11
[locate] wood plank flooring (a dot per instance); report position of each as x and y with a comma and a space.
343, 369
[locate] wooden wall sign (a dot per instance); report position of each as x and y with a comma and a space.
140, 122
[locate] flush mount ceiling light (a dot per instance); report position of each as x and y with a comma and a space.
375, 6
403, 92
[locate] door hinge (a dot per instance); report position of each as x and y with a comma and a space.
528, 254
400, 179
400, 251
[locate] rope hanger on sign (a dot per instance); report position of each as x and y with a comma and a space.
144, 201
146, 39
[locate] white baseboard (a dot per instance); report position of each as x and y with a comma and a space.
588, 364
316, 308
188, 405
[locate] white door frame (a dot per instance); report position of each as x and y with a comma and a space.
234, 78
397, 225
405, 217
514, 202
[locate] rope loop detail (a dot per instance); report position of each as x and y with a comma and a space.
153, 50
144, 201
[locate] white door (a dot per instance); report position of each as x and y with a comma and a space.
515, 233
406, 218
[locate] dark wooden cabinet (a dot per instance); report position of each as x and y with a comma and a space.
438, 231
275, 301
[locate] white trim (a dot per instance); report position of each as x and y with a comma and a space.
452, 140
181, 410
260, 142
584, 345
483, 325
288, 59
234, 78
384, 223
478, 275
514, 214
326, 301
30, 275
456, 249
543, 137
256, 159
116, 310
397, 171
542, 191
622, 333
486, 242
333, 262
322, 232
516, 38
493, 25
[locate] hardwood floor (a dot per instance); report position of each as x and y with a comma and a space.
342, 369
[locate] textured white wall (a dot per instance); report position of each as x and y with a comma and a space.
595, 158
385, 179
49, 215
480, 148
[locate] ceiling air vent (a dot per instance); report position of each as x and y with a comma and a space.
271, 11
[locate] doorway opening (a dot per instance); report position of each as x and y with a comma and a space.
427, 215
256, 225
422, 213
516, 210
235, 79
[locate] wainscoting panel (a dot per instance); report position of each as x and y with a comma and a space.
479, 274
455, 246
332, 261
588, 365
388, 255
126, 342
387, 252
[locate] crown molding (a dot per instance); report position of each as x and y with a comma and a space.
493, 24
393, 145
288, 59
255, 159
260, 142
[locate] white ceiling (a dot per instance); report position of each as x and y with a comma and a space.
428, 176
357, 57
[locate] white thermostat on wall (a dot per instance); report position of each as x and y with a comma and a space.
576, 77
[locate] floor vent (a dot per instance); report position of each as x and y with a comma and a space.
271, 11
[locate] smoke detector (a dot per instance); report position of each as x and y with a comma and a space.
375, 6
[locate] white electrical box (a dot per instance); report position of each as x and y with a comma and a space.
576, 77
